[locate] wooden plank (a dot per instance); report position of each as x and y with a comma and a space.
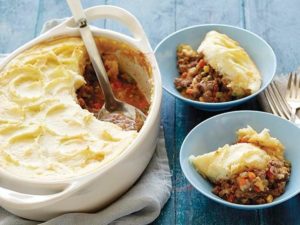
158, 20
279, 29
195, 12
17, 24
191, 206
278, 23
283, 214
156, 17
167, 215
53, 9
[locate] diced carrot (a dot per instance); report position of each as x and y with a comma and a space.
241, 181
251, 175
202, 63
189, 91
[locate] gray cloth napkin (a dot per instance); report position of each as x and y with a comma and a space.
281, 81
140, 205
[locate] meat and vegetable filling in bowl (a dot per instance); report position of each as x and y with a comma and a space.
255, 186
219, 71
199, 81
251, 171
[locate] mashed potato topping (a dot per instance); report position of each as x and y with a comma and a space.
228, 58
253, 151
263, 139
43, 131
229, 160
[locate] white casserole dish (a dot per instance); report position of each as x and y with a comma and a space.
43, 200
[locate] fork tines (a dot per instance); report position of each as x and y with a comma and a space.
277, 103
293, 95
293, 88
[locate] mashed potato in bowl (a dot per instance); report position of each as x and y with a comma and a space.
251, 171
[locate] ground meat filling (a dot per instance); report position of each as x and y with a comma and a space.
199, 81
255, 186
125, 88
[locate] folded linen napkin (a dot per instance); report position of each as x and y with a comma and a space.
281, 81
140, 205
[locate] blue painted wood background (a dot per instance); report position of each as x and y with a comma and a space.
277, 21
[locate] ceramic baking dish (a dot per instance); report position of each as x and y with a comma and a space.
42, 200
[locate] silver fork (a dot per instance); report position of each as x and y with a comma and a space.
293, 94
277, 103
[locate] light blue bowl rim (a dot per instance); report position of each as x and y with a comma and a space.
216, 198
229, 102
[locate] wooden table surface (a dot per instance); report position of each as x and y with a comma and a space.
276, 21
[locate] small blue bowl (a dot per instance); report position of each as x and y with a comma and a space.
259, 50
221, 129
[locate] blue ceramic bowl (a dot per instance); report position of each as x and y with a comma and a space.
261, 53
221, 129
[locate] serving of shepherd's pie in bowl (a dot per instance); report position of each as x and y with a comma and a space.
243, 159
215, 67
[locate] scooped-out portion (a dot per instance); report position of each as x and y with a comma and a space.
125, 88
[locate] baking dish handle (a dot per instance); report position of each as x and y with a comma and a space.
122, 16
114, 13
18, 200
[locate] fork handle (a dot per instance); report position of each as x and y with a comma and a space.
293, 114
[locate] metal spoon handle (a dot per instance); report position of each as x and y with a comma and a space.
111, 103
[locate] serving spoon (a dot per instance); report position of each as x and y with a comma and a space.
112, 108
